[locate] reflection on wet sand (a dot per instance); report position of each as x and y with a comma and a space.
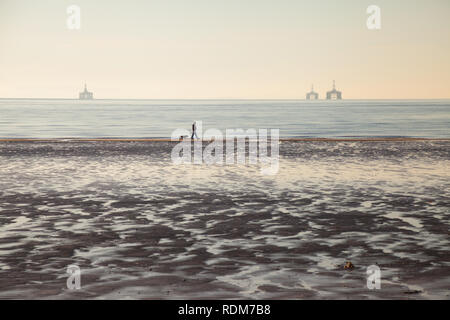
140, 227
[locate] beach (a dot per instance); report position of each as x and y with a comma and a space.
141, 227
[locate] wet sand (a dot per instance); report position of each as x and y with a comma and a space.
141, 227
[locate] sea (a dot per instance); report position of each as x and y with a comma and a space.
70, 118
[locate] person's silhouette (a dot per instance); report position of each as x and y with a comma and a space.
194, 131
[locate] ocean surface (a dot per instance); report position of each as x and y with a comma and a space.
60, 118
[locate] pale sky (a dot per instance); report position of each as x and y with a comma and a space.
239, 49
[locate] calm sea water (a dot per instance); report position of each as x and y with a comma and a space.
38, 118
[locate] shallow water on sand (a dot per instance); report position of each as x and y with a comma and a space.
140, 227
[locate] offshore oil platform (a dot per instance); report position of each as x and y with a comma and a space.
331, 95
86, 95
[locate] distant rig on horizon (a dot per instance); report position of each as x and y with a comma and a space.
331, 95
86, 95
312, 95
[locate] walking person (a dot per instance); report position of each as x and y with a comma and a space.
194, 131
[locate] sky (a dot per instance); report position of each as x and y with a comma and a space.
233, 49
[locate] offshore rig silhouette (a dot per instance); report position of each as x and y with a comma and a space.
331, 95
86, 95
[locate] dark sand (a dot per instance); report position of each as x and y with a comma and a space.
140, 227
